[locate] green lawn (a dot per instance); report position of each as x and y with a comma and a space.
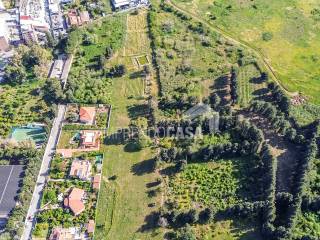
65, 137
249, 84
123, 211
293, 45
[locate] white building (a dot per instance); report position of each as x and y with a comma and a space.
120, 3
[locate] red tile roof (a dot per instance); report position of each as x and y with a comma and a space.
23, 17
87, 114
75, 201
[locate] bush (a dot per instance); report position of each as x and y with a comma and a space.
267, 36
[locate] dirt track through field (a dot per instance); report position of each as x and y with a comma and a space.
229, 36
287, 154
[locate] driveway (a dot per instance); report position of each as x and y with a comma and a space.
44, 170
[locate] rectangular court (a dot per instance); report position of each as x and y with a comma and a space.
10, 177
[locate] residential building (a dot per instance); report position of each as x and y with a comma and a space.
77, 18
80, 169
96, 182
89, 139
72, 233
90, 226
73, 17
117, 4
75, 201
29, 37
87, 115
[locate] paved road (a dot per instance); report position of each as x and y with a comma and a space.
227, 35
44, 170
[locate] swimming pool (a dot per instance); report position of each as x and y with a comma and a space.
34, 133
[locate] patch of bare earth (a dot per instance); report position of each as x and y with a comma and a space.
286, 153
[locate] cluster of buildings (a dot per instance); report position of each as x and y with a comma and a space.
35, 19
76, 200
126, 4
77, 18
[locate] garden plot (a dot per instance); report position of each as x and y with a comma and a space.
218, 185
137, 41
249, 84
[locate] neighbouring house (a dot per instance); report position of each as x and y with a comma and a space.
73, 17
77, 18
80, 169
90, 226
89, 139
72, 233
30, 37
87, 115
96, 181
118, 4
75, 201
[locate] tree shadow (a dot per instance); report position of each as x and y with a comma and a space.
168, 171
150, 222
131, 147
256, 80
113, 139
144, 167
136, 110
152, 184
138, 74
220, 82
261, 92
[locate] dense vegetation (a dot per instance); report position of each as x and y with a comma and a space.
89, 80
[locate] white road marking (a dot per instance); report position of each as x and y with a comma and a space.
5, 188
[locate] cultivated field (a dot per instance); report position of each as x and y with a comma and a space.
249, 84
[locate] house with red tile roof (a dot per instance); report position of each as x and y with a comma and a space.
59, 233
87, 115
80, 169
75, 201
89, 139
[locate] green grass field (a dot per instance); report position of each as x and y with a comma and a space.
249, 84
285, 32
124, 210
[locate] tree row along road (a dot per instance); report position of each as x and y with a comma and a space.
43, 173
229, 36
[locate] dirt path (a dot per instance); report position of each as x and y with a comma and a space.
286, 153
229, 36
